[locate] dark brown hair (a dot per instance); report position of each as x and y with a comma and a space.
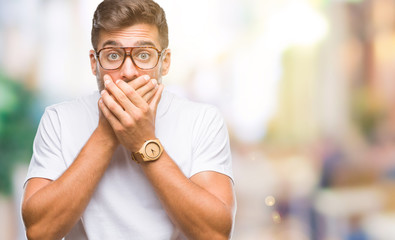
113, 15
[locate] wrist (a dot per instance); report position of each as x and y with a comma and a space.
106, 136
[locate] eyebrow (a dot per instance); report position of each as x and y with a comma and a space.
138, 43
145, 43
111, 42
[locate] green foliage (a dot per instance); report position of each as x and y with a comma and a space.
17, 129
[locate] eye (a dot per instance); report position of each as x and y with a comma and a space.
143, 56
113, 56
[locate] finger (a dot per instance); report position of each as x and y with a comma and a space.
118, 95
135, 99
139, 82
148, 90
98, 105
156, 99
108, 114
113, 106
151, 94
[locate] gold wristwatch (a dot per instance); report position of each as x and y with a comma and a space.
150, 151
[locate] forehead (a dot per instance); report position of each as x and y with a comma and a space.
136, 35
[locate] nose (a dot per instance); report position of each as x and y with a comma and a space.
128, 70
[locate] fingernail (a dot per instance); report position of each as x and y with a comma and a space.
154, 81
118, 81
146, 77
102, 92
107, 82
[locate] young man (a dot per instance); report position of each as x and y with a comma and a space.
133, 161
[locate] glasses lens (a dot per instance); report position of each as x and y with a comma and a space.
145, 58
111, 58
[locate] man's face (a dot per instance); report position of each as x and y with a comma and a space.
137, 35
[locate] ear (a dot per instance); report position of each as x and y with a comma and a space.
166, 62
93, 62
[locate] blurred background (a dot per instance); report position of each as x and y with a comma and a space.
307, 88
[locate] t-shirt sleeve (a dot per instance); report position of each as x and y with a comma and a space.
211, 148
47, 161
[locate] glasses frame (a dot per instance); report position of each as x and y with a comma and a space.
128, 53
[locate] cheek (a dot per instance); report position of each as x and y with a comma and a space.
99, 77
154, 74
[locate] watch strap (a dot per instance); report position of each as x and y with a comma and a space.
137, 157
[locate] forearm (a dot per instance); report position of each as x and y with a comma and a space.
197, 212
52, 211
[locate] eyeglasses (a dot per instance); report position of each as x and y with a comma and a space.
144, 58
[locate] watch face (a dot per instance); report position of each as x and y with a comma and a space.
152, 150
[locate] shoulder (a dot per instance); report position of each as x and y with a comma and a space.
74, 107
192, 108
199, 117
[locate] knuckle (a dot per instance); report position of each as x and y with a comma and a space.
138, 116
128, 122
123, 98
117, 128
133, 84
111, 105
140, 92
145, 109
128, 92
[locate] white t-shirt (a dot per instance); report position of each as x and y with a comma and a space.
124, 205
